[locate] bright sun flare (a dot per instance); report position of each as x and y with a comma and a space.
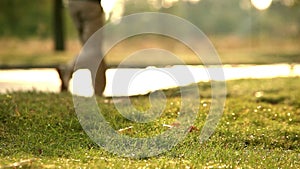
261, 4
108, 5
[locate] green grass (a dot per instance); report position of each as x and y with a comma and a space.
260, 128
232, 50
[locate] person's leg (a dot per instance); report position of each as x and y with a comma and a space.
66, 71
100, 81
75, 10
88, 17
94, 19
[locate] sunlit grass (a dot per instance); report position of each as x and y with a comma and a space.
232, 50
259, 129
35, 52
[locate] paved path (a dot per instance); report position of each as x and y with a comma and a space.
144, 80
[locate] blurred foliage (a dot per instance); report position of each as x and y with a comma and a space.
231, 17
34, 18
25, 18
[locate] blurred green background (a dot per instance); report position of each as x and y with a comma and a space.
216, 18
240, 32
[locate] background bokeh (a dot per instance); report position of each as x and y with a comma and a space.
240, 32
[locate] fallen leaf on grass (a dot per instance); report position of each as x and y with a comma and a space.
192, 128
175, 124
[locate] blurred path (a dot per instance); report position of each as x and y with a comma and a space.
47, 80
33, 79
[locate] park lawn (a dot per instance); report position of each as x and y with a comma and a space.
15, 52
231, 50
260, 128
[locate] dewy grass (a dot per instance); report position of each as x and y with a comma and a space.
260, 128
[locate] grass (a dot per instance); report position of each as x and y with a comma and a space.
34, 52
260, 128
232, 50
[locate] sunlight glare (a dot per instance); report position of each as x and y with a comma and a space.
113, 9
108, 5
261, 4
82, 84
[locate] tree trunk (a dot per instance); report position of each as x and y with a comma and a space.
58, 26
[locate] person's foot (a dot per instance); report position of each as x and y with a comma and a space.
65, 74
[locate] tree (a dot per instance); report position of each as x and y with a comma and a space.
58, 25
